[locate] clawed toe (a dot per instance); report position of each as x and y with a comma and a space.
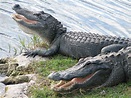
30, 54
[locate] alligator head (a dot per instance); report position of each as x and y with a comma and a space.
100, 71
40, 23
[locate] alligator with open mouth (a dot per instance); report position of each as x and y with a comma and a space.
73, 44
103, 70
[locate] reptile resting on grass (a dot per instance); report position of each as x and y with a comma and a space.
103, 70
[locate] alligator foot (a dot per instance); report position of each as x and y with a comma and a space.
30, 53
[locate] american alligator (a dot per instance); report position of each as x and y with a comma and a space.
102, 70
73, 44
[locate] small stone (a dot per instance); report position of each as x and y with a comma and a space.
2, 77
2, 89
16, 80
16, 91
32, 82
103, 92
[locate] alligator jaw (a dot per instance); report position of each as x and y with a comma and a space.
22, 15
92, 80
25, 24
66, 86
19, 17
85, 74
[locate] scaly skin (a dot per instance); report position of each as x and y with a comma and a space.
73, 44
99, 71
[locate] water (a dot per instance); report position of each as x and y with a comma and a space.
108, 17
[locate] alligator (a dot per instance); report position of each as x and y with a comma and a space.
74, 44
103, 70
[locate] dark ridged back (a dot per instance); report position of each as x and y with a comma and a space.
81, 37
80, 44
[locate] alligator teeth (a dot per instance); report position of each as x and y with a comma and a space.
58, 84
65, 86
15, 16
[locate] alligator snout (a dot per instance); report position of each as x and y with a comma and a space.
55, 76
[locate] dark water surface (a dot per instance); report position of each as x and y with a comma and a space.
109, 17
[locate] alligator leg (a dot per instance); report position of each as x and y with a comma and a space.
44, 53
112, 48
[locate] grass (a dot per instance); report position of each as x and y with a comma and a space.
56, 63
34, 43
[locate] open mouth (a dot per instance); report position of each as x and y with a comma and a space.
19, 18
66, 86
84, 77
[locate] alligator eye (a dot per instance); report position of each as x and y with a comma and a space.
42, 12
38, 15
